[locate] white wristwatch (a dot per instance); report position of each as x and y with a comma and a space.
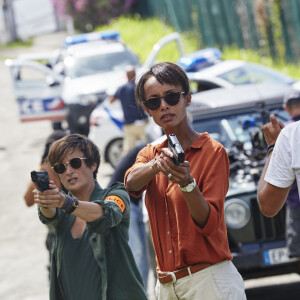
188, 188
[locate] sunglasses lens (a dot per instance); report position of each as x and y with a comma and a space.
59, 168
172, 98
152, 103
75, 163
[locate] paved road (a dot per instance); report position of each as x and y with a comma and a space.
23, 255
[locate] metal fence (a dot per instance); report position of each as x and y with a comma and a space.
269, 26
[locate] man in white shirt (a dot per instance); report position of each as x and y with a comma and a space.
282, 166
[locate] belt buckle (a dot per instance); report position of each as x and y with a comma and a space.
173, 276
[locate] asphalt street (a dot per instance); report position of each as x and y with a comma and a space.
23, 255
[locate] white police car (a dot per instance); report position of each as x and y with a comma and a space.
106, 120
90, 69
106, 130
37, 90
207, 71
77, 79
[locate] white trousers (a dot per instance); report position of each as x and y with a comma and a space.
221, 281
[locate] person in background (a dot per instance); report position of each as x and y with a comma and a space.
137, 234
282, 167
185, 202
278, 179
44, 165
135, 119
91, 258
291, 104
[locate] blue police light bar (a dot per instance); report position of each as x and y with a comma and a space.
249, 123
93, 36
200, 59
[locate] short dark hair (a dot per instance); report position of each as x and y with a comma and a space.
73, 142
164, 72
292, 102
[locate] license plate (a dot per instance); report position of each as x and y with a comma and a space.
276, 256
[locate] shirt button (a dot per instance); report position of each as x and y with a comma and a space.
168, 232
166, 212
170, 251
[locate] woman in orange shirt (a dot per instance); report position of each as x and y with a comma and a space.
185, 202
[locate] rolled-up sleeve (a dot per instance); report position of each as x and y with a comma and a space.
214, 188
116, 206
49, 221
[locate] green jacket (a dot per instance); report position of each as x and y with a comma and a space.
108, 237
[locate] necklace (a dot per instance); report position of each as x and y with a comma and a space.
190, 141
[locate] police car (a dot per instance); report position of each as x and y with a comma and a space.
83, 72
207, 71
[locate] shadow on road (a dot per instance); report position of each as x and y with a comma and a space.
288, 291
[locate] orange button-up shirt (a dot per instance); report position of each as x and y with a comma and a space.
177, 240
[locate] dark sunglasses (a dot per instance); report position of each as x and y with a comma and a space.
75, 163
171, 99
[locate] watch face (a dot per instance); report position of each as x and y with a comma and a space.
190, 187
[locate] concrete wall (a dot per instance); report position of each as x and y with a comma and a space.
34, 17
23, 19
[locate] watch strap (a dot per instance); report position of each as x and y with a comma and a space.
189, 187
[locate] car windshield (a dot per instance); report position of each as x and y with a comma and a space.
106, 62
235, 127
247, 74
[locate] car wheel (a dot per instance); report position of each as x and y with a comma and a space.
113, 152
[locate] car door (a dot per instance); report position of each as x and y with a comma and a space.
37, 89
158, 46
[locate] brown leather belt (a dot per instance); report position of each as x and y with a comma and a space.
171, 277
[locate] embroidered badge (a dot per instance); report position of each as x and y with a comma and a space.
117, 200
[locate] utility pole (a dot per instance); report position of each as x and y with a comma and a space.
9, 20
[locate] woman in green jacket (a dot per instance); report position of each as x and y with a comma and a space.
91, 258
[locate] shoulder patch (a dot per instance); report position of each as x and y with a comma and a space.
117, 200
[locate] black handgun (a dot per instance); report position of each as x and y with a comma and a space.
176, 149
41, 178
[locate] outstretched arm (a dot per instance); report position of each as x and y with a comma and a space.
270, 197
51, 199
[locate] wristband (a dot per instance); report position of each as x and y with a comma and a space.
270, 148
70, 204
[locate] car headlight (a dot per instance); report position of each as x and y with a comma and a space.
237, 213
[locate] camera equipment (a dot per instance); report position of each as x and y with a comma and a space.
41, 178
176, 149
